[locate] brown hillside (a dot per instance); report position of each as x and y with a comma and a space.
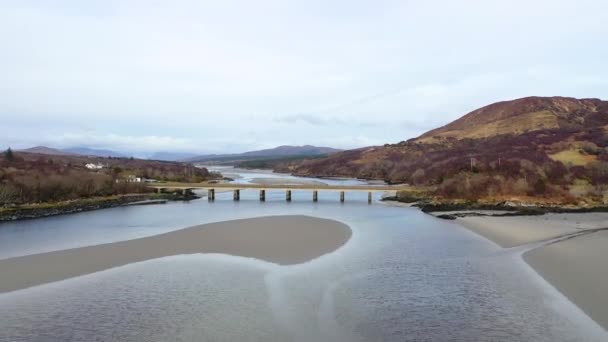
524, 115
34, 177
552, 147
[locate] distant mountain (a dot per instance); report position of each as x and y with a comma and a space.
555, 147
86, 151
47, 150
277, 152
287, 150
171, 156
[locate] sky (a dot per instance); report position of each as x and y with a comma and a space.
232, 76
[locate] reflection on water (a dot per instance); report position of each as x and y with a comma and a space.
404, 276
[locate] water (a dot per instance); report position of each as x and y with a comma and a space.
404, 276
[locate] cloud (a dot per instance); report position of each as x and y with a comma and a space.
197, 74
306, 118
323, 120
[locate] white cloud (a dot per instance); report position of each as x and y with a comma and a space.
222, 75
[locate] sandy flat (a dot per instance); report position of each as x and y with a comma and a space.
282, 240
578, 268
480, 212
517, 230
285, 181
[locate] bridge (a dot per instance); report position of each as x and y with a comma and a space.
315, 188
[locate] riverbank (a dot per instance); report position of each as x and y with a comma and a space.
452, 208
33, 211
284, 240
511, 231
284, 181
571, 253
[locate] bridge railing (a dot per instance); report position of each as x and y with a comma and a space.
315, 188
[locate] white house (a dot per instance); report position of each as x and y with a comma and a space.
92, 166
134, 179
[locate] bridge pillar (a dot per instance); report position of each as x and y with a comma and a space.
369, 197
315, 196
341, 196
262, 195
211, 194
236, 195
288, 195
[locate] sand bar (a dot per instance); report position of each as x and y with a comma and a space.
578, 268
283, 240
518, 230
576, 265
285, 181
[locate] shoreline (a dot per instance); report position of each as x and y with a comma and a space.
35, 211
576, 267
283, 240
567, 250
283, 181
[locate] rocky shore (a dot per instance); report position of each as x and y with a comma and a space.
453, 209
33, 211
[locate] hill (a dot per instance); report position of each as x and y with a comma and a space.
93, 152
47, 150
34, 177
524, 115
171, 156
72, 151
277, 152
552, 147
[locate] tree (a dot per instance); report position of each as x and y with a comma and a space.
9, 155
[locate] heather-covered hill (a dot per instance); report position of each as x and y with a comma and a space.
550, 147
525, 115
33, 178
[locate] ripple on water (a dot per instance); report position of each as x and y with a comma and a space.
404, 276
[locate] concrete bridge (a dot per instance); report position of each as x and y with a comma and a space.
315, 188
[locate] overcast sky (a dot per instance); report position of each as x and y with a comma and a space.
226, 76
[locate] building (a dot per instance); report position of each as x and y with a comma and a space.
134, 179
92, 166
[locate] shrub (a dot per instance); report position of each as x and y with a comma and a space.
8, 155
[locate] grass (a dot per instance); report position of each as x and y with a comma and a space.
580, 187
61, 204
522, 123
573, 157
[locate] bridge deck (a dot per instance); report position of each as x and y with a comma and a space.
236, 186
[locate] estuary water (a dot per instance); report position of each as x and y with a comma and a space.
403, 276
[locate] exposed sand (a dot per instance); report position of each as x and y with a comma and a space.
578, 268
480, 212
517, 230
283, 240
576, 265
285, 181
